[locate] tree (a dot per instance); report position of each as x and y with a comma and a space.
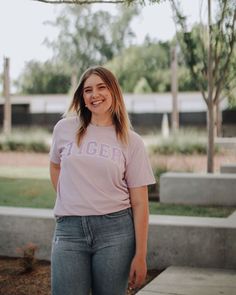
150, 61
82, 2
84, 38
208, 52
142, 86
43, 78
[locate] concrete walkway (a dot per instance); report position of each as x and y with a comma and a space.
192, 281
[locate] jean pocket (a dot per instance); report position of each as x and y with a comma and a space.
117, 214
60, 219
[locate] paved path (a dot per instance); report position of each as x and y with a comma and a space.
192, 281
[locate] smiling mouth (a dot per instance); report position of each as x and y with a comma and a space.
97, 102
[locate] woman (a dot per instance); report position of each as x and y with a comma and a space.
100, 171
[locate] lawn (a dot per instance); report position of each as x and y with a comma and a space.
31, 187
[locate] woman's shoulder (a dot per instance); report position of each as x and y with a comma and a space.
133, 135
67, 122
134, 138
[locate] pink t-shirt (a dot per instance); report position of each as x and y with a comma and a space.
95, 177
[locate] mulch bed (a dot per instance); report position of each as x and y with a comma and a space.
15, 281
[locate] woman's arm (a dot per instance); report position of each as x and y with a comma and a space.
140, 208
54, 174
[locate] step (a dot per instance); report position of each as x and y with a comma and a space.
192, 281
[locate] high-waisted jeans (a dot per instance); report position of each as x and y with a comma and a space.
92, 254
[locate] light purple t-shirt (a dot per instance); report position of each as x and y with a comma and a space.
95, 177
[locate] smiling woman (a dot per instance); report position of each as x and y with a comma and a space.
98, 100
100, 171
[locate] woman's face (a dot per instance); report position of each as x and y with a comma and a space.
97, 97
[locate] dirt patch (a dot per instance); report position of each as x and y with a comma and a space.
191, 163
17, 159
13, 280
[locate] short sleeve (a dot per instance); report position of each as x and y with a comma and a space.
54, 153
138, 168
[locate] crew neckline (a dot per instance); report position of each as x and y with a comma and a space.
101, 127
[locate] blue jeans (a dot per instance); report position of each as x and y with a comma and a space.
92, 254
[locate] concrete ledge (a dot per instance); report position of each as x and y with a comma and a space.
198, 189
226, 142
20, 226
192, 281
192, 241
228, 168
173, 240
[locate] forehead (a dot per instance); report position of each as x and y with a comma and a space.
93, 80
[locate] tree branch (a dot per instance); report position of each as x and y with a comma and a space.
191, 61
218, 35
80, 2
225, 68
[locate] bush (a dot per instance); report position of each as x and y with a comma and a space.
154, 188
33, 146
168, 148
188, 142
28, 260
26, 140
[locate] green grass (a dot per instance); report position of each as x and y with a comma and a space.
187, 210
24, 172
26, 187
26, 192
31, 187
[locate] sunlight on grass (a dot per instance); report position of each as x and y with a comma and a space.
25, 172
26, 192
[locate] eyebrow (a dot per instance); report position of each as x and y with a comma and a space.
99, 84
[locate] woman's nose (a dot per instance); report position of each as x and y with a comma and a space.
95, 93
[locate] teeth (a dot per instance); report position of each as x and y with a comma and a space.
97, 102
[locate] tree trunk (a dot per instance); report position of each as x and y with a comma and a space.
218, 118
174, 91
210, 103
73, 80
6, 93
210, 133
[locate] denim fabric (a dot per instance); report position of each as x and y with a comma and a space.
92, 254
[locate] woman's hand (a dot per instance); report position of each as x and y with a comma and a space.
138, 272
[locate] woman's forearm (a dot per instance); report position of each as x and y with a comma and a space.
140, 214
139, 202
54, 174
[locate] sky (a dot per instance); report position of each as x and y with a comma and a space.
23, 28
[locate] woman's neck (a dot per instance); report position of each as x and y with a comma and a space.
97, 121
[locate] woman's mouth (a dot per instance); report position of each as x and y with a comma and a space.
97, 102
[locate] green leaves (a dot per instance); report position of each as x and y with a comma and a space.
44, 78
87, 37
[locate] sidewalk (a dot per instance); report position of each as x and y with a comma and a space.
192, 281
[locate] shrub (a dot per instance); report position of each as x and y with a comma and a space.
154, 188
20, 146
186, 143
26, 140
28, 261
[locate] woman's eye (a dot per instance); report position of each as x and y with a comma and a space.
87, 90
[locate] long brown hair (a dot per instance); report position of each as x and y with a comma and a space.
119, 114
